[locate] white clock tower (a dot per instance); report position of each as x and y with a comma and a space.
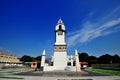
60, 59
60, 54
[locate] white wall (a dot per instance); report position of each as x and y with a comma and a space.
60, 39
48, 68
60, 60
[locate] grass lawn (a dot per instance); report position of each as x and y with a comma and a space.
112, 72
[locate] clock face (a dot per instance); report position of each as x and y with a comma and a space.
60, 32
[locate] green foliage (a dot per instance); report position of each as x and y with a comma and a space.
115, 59
106, 59
38, 58
93, 60
103, 59
83, 57
112, 72
27, 58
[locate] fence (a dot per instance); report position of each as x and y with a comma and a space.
107, 66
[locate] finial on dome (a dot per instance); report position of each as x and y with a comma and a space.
60, 21
44, 53
76, 52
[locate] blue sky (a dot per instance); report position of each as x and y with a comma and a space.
27, 26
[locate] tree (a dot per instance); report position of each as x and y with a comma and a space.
105, 59
26, 58
115, 59
83, 57
38, 58
93, 60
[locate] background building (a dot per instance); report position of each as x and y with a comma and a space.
9, 60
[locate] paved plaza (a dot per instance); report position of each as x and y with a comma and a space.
65, 78
30, 74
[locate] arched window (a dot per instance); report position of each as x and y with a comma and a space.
60, 27
60, 32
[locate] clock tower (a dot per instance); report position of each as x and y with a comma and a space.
60, 44
60, 54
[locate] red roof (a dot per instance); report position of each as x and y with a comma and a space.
83, 62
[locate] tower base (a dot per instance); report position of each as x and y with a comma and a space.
60, 60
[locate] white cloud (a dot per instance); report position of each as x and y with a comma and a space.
92, 30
